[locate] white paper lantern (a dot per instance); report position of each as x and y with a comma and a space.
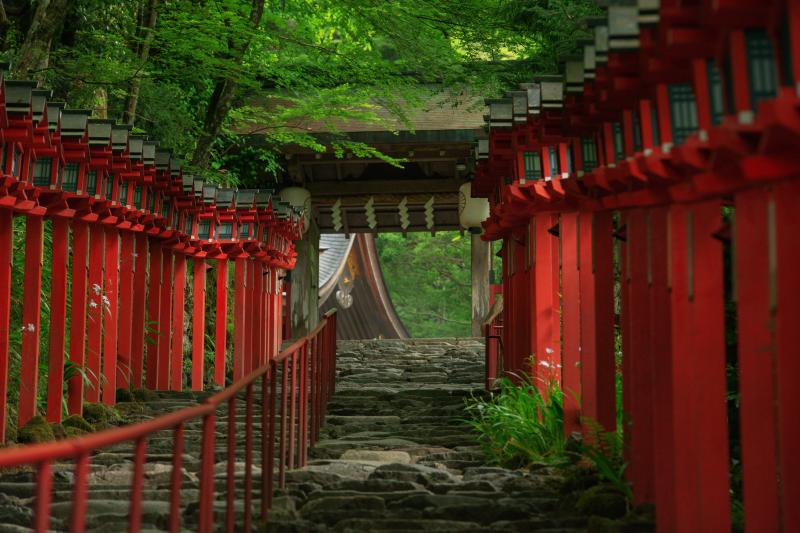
301, 199
471, 211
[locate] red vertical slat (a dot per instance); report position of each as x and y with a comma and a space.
250, 314
178, 300
207, 454
240, 273
640, 376
597, 318
153, 314
544, 305
165, 320
699, 410
41, 510
29, 366
58, 320
77, 326
176, 479
80, 493
94, 344
126, 266
230, 469
284, 420
787, 372
293, 392
6, 250
140, 299
571, 320
110, 312
137, 485
755, 248
248, 459
221, 317
660, 348
198, 322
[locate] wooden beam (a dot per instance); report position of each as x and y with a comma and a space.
396, 187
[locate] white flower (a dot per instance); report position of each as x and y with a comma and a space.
106, 301
92, 304
548, 350
30, 327
544, 364
97, 288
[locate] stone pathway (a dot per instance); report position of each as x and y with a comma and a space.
394, 454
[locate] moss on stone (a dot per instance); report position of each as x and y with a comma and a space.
72, 431
124, 395
77, 422
602, 500
144, 395
58, 430
100, 416
36, 430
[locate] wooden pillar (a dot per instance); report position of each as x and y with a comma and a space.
699, 390
178, 300
29, 365
94, 339
258, 303
221, 318
481, 264
240, 277
126, 276
787, 372
756, 251
109, 305
77, 326
660, 347
640, 376
153, 314
597, 318
58, 319
198, 322
165, 320
140, 299
548, 331
305, 279
250, 314
6, 258
571, 320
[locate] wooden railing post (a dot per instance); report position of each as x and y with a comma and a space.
126, 304
6, 248
198, 322
58, 320
153, 314
165, 320
77, 326
109, 305
140, 299
571, 320
220, 325
94, 340
178, 300
239, 318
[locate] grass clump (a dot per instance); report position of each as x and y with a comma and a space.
520, 425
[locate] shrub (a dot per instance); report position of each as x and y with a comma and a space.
520, 425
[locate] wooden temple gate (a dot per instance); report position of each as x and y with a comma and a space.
657, 181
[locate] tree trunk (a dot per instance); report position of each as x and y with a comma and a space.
34, 54
221, 99
146, 31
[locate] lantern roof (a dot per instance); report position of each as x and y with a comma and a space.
120, 135
39, 103
18, 96
162, 158
149, 153
54, 110
136, 147
244, 198
99, 131
74, 122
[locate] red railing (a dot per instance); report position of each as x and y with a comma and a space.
306, 370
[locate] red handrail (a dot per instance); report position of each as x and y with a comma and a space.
313, 361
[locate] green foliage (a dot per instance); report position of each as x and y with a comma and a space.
605, 450
520, 424
429, 281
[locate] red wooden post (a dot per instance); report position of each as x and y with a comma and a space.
700, 429
661, 351
109, 305
165, 319
153, 315
140, 299
178, 300
640, 377
548, 331
58, 320
77, 326
787, 228
571, 320
251, 314
94, 342
220, 342
198, 322
6, 250
240, 272
756, 250
597, 319
126, 260
258, 303
29, 366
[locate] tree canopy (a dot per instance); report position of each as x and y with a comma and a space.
188, 71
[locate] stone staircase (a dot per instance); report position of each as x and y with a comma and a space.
394, 454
